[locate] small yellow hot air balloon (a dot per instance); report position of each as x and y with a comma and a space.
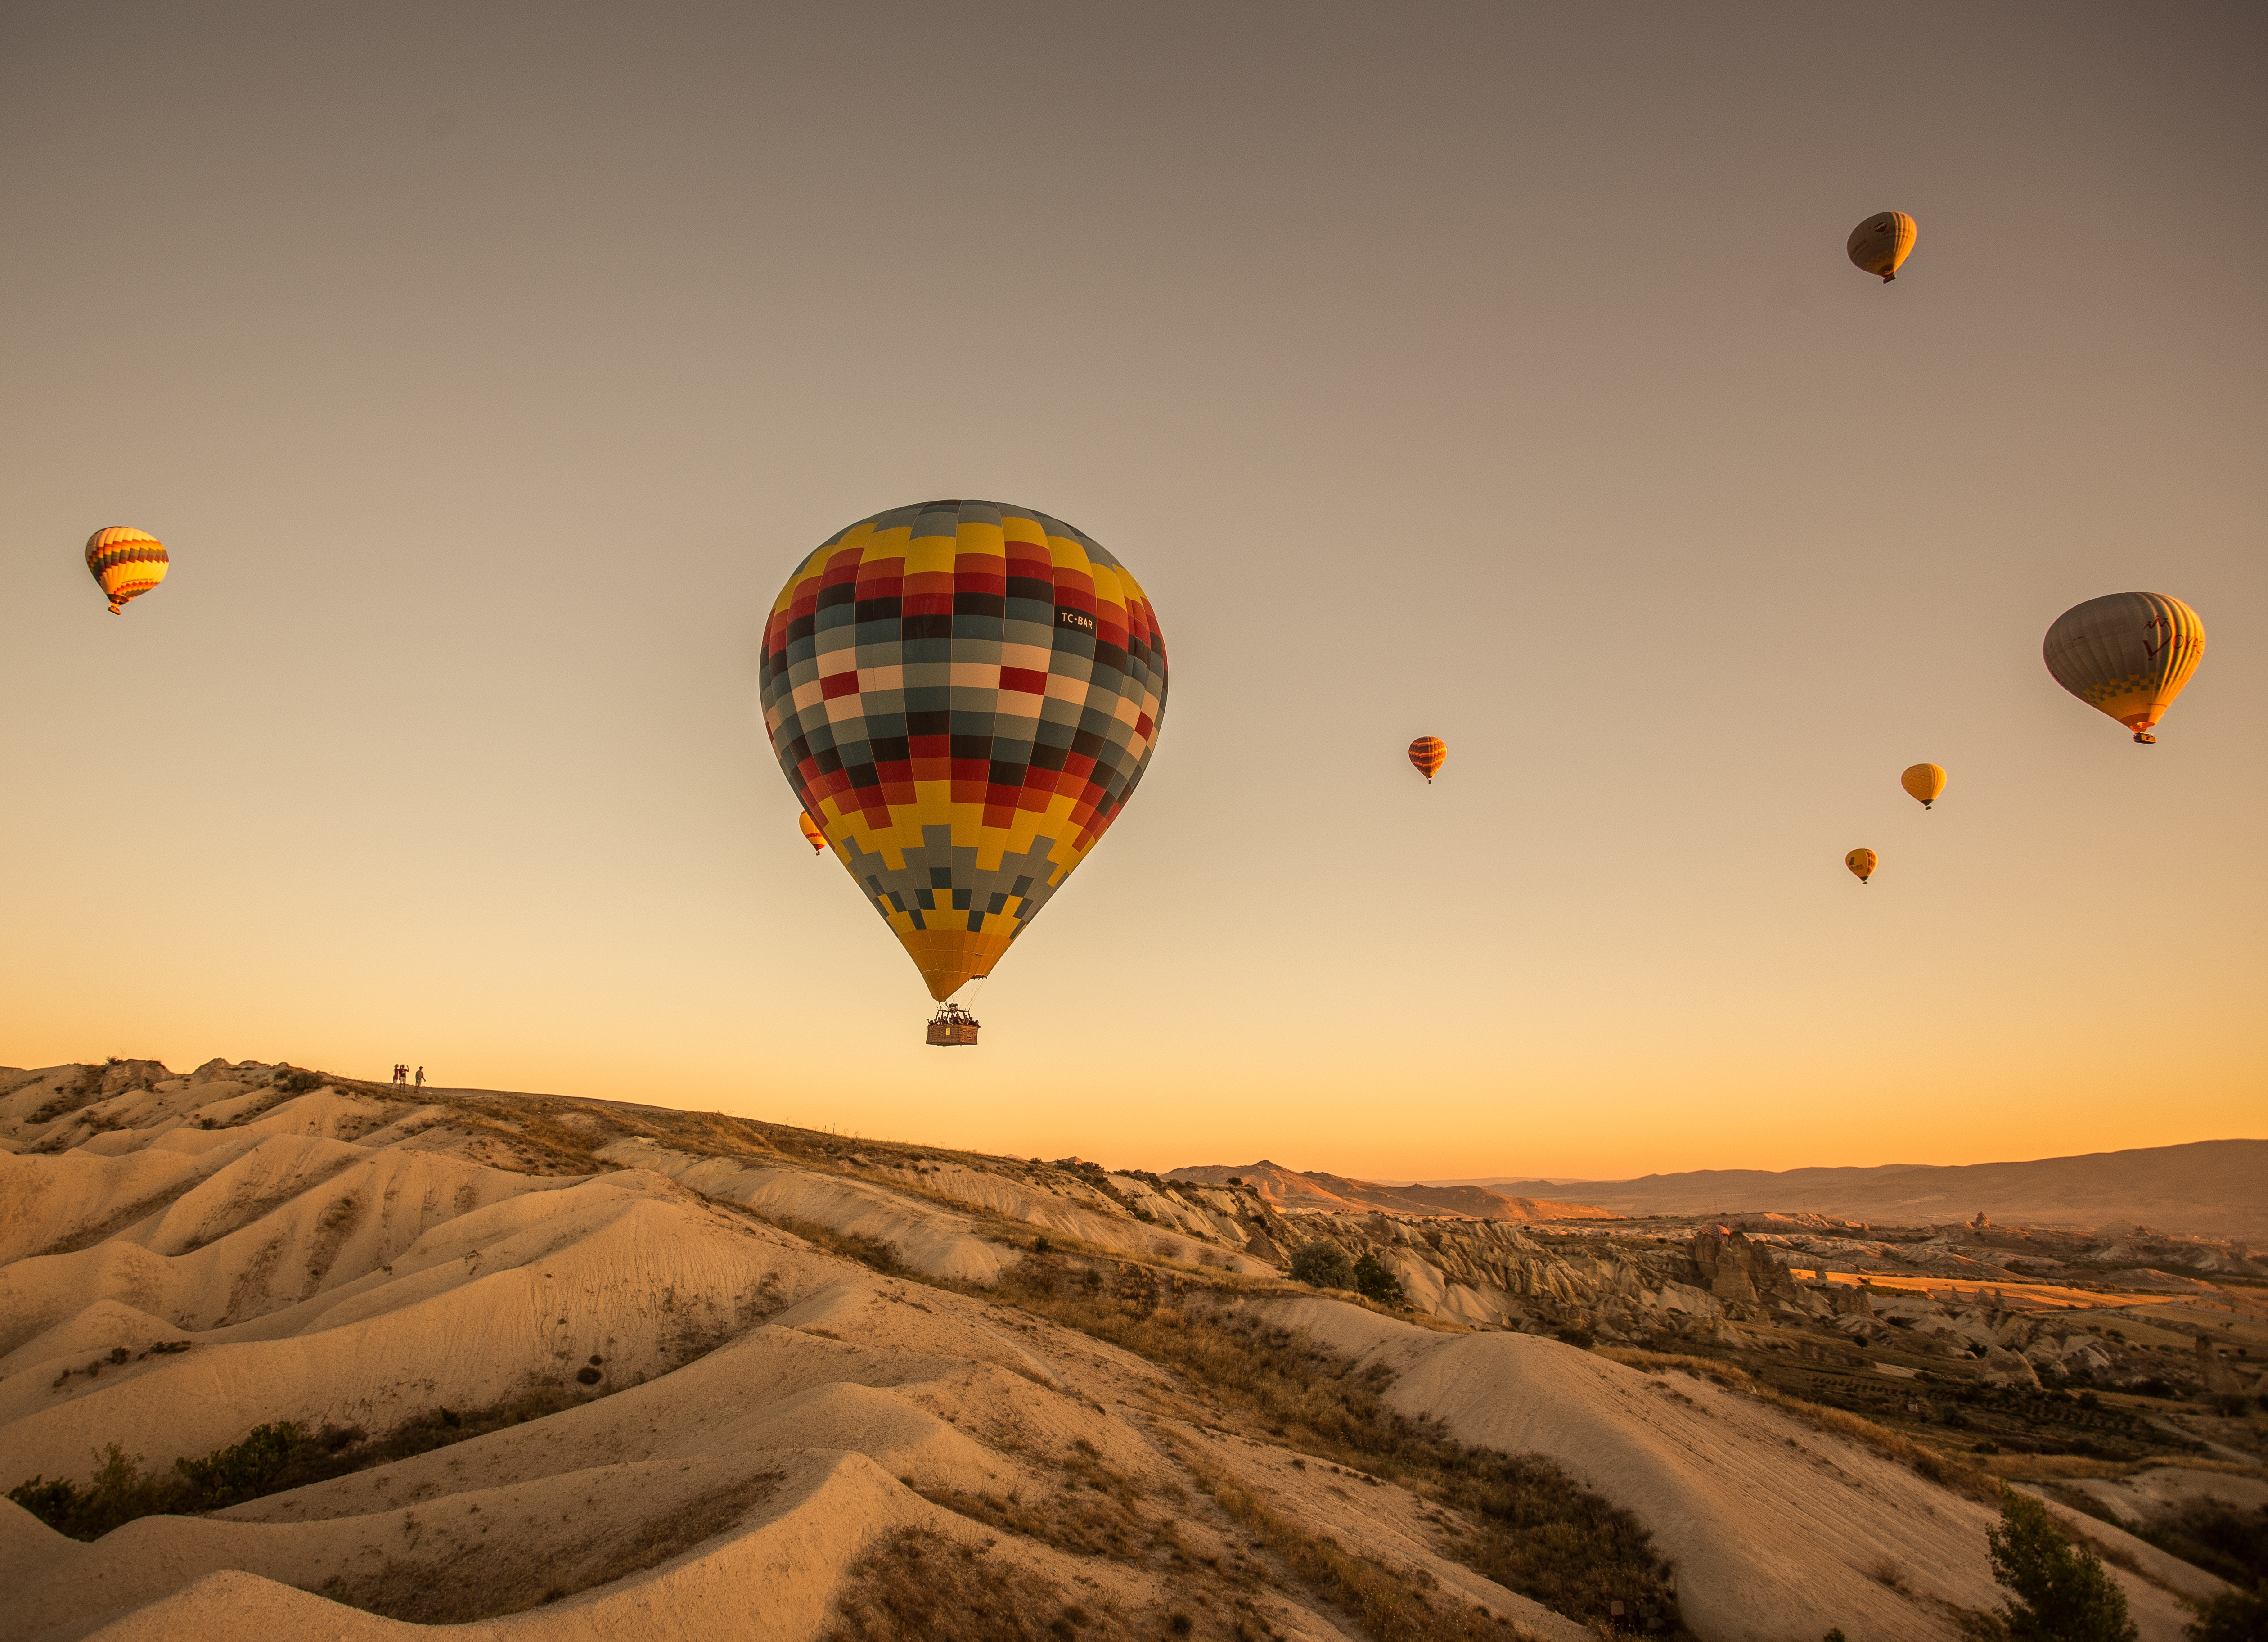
1882, 243
125, 563
811, 831
2126, 654
1861, 862
1923, 783
1429, 752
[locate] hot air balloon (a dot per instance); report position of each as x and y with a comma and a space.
1429, 752
2126, 654
811, 831
125, 563
964, 695
1861, 862
1923, 783
1882, 243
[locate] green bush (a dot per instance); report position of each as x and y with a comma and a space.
2060, 1591
2237, 1615
271, 1459
1374, 1279
1322, 1265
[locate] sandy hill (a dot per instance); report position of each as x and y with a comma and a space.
560, 1369
2213, 1187
1287, 1190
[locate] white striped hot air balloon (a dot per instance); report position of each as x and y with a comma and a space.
1881, 243
2126, 655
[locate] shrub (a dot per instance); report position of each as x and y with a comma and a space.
1322, 1265
1374, 1279
2060, 1591
2235, 1615
120, 1491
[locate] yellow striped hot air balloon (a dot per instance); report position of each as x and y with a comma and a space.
1882, 243
2126, 654
1923, 783
1429, 752
125, 563
811, 831
1862, 863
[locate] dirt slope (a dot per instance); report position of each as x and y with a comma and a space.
609, 1371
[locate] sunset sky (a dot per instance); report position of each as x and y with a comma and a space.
1485, 372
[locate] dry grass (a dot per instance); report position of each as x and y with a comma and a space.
478, 1577
1387, 1606
918, 1586
1960, 1476
1531, 1528
1096, 1512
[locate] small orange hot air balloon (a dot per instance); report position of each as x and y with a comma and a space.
811, 831
1861, 862
125, 563
1923, 783
1429, 752
1882, 243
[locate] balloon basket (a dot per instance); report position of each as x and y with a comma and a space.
952, 1027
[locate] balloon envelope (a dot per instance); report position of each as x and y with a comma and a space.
811, 831
1882, 243
1429, 752
1861, 862
1923, 783
125, 563
2126, 654
965, 694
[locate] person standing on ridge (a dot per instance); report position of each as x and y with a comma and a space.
420, 1080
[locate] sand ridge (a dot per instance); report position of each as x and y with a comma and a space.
737, 1413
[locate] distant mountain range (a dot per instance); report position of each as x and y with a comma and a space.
2214, 1188
1292, 1190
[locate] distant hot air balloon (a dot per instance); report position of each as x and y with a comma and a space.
964, 695
1882, 243
125, 563
2126, 654
1429, 752
811, 831
1862, 863
1923, 783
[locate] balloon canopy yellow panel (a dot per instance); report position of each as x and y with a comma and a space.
1881, 243
1862, 863
963, 695
1429, 752
125, 563
1923, 783
2126, 654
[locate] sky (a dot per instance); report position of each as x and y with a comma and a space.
1488, 371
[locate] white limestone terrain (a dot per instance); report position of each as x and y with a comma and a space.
566, 1369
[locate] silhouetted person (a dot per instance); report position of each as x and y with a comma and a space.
420, 1080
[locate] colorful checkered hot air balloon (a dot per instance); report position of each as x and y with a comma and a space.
964, 695
125, 563
2126, 654
1429, 752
